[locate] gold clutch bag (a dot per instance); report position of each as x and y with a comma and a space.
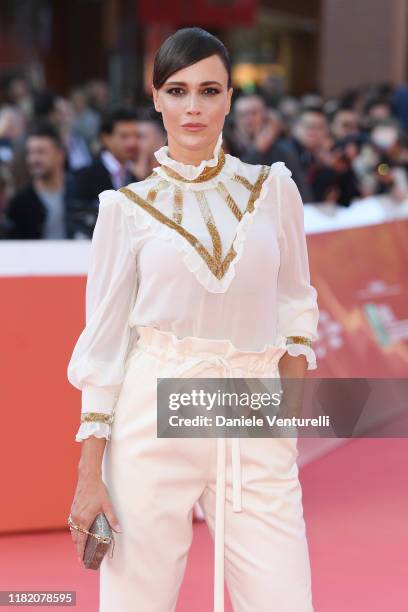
100, 537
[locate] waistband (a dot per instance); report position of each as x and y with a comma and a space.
194, 356
262, 363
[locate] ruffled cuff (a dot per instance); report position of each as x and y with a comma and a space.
99, 430
96, 424
298, 345
300, 349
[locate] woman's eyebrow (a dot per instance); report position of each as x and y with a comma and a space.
203, 83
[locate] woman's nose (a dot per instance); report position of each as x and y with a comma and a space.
193, 105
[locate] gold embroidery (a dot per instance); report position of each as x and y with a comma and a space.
151, 196
250, 207
88, 417
217, 266
298, 340
207, 174
178, 205
169, 222
256, 190
244, 181
210, 223
224, 193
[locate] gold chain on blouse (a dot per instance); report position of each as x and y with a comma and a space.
214, 261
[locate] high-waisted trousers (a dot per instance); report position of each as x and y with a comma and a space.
248, 489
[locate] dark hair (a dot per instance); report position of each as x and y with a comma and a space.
184, 48
251, 94
344, 107
372, 102
149, 113
317, 110
45, 129
110, 119
44, 103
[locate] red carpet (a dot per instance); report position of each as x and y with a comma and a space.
356, 509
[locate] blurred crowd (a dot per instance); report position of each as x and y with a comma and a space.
58, 153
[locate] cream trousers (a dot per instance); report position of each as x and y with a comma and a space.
252, 503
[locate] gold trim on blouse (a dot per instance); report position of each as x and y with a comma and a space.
214, 261
92, 417
207, 174
299, 340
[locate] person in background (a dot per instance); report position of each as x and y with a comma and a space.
288, 109
383, 161
99, 96
6, 182
51, 108
119, 136
18, 93
344, 123
78, 154
60, 113
41, 209
311, 101
377, 108
337, 181
115, 166
151, 136
86, 120
273, 89
12, 126
255, 136
310, 143
399, 105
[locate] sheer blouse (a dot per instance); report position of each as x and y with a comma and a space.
216, 251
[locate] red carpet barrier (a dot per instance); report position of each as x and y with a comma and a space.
41, 318
361, 277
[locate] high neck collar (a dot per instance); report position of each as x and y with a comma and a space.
188, 171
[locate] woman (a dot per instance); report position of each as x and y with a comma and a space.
199, 270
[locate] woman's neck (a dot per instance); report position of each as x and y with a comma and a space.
190, 156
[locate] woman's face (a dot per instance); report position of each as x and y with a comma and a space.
197, 94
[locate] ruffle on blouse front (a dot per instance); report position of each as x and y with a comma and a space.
194, 262
188, 171
97, 429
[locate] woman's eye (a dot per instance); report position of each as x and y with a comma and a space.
173, 89
213, 90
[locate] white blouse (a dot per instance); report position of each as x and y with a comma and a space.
216, 251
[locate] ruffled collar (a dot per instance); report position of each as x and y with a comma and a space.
188, 171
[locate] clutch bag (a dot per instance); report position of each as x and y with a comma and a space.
100, 537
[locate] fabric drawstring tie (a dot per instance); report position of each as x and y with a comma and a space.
189, 368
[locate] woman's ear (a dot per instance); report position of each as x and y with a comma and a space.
230, 92
156, 99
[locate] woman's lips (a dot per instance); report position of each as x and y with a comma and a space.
194, 128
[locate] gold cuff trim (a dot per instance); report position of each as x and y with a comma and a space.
92, 417
299, 340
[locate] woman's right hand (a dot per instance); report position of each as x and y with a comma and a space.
91, 497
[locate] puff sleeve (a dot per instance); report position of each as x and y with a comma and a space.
97, 363
298, 312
